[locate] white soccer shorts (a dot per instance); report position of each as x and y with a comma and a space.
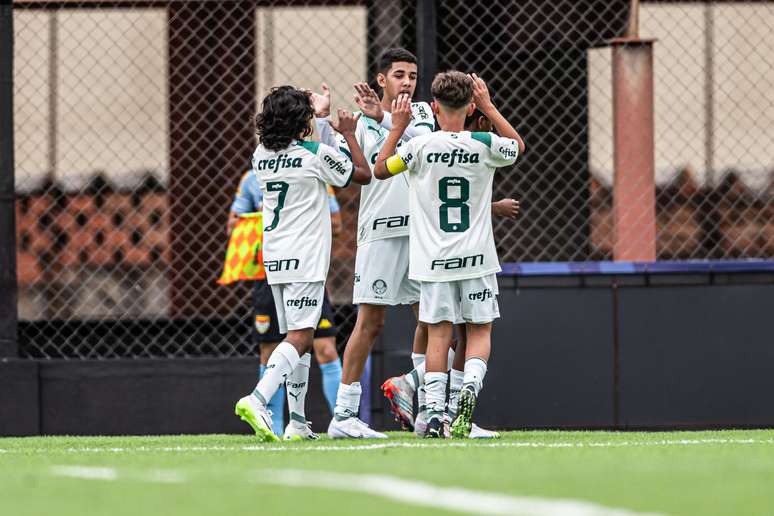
381, 273
299, 305
462, 301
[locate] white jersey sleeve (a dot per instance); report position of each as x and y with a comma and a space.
408, 153
334, 168
502, 151
325, 132
422, 121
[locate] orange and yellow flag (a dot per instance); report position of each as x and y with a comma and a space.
244, 260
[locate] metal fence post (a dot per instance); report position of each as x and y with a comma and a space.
8, 311
634, 191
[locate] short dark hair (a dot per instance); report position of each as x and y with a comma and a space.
473, 117
452, 89
395, 55
285, 115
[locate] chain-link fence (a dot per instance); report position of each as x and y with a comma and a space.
133, 126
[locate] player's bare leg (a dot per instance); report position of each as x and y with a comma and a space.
478, 348
345, 422
456, 379
439, 337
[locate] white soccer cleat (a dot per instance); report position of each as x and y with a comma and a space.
352, 428
255, 414
296, 431
420, 423
476, 432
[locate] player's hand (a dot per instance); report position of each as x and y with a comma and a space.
481, 93
368, 101
347, 122
321, 102
401, 112
506, 208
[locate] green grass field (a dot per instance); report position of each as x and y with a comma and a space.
523, 473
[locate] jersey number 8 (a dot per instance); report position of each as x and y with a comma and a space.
459, 202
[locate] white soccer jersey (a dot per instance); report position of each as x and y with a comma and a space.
450, 201
384, 209
296, 218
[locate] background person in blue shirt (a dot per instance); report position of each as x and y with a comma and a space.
249, 199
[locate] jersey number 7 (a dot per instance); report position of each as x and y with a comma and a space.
282, 188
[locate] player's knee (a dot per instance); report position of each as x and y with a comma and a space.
373, 327
325, 350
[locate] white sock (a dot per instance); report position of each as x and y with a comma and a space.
282, 361
456, 379
435, 384
450, 359
475, 370
417, 359
347, 401
296, 386
416, 377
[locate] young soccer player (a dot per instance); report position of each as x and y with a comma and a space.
265, 330
293, 175
382, 232
452, 247
400, 389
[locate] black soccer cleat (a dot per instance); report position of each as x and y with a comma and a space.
435, 429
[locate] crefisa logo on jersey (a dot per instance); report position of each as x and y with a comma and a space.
379, 287
335, 165
458, 263
457, 156
281, 161
508, 153
301, 303
480, 296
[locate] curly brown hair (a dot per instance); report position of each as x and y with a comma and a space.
285, 115
452, 89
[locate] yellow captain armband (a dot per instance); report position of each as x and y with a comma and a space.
395, 165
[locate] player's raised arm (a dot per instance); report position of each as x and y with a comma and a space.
387, 162
370, 105
347, 125
484, 103
321, 102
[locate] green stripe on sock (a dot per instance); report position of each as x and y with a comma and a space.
259, 397
297, 418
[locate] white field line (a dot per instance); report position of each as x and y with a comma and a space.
156, 476
85, 472
412, 492
386, 445
419, 493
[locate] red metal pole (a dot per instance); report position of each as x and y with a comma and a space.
634, 200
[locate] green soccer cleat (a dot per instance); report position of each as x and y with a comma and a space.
255, 414
460, 428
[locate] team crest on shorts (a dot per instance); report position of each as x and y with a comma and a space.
262, 323
324, 324
379, 287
